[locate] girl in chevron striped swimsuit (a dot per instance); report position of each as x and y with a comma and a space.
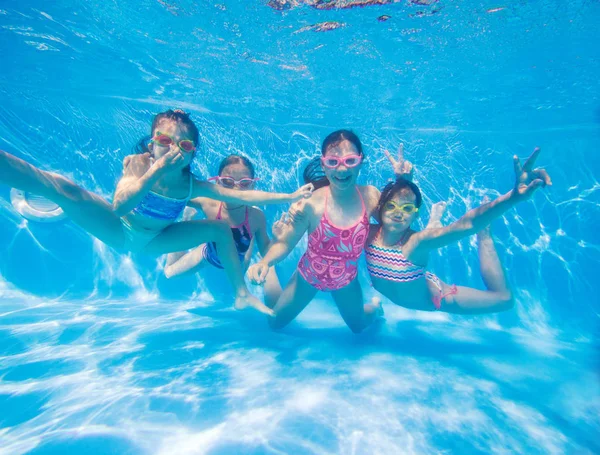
397, 256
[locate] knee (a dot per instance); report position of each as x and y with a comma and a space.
356, 329
274, 324
221, 232
506, 301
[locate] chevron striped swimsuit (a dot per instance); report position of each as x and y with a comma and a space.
390, 264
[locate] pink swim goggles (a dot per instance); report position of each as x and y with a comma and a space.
230, 182
333, 162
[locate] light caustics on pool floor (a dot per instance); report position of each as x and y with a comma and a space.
196, 377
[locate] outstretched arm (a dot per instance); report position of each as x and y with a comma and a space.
527, 181
209, 190
282, 245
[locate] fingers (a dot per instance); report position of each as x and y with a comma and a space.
543, 175
284, 218
533, 186
517, 165
401, 152
528, 166
389, 156
264, 270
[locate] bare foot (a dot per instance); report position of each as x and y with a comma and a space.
374, 308
437, 211
245, 300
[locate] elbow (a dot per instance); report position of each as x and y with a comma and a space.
468, 226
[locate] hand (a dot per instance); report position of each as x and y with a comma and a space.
189, 213
528, 180
304, 192
170, 161
279, 227
402, 168
257, 273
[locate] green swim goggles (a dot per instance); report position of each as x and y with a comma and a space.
408, 208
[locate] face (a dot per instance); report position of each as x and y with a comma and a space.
236, 171
343, 176
178, 133
397, 219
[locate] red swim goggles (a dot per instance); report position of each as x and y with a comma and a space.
333, 162
164, 140
230, 182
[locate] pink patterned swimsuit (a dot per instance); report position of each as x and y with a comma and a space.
331, 259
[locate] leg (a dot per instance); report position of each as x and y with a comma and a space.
475, 301
189, 234
490, 267
435, 219
179, 264
350, 303
90, 211
294, 298
272, 288
497, 297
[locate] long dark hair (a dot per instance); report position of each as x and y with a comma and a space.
313, 172
393, 188
177, 115
236, 159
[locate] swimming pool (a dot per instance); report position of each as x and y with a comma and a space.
100, 353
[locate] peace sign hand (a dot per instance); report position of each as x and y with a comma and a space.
402, 168
527, 179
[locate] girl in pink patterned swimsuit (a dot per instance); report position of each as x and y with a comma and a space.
337, 221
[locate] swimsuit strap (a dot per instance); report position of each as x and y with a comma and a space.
219, 212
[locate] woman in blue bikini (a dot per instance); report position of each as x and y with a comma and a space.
152, 193
397, 256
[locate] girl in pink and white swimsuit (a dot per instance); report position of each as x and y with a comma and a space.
336, 218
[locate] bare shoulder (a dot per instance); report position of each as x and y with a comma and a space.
210, 207
370, 195
200, 202
373, 230
256, 217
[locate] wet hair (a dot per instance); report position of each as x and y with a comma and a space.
236, 159
178, 116
313, 172
394, 188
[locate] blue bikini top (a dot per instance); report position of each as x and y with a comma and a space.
161, 207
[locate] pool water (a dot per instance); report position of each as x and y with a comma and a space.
100, 354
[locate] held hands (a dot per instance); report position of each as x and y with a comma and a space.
528, 180
304, 192
257, 273
402, 168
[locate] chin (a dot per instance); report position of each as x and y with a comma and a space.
342, 184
